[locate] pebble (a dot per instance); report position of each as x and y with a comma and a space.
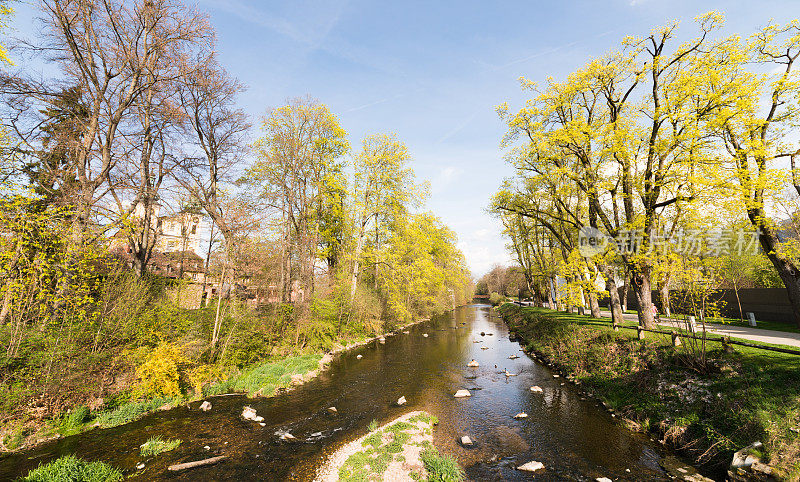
466, 441
531, 466
462, 393
536, 388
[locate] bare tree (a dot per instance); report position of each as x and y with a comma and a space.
207, 99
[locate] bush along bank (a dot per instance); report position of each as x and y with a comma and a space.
706, 403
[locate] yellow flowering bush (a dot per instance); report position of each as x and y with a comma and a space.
162, 371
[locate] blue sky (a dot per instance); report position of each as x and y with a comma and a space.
432, 72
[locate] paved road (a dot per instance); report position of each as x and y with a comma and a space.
745, 333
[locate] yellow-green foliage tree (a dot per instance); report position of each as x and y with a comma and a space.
299, 174
755, 132
627, 131
383, 188
426, 272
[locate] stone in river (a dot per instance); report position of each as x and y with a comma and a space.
473, 364
205, 406
382, 340
462, 393
521, 415
536, 388
513, 357
531, 466
603, 479
466, 441
359, 357
249, 413
401, 401
425, 335
332, 409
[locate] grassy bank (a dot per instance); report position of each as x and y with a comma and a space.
704, 407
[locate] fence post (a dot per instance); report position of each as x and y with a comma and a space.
676, 340
751, 318
726, 344
640, 332
692, 326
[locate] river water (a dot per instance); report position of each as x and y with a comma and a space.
573, 437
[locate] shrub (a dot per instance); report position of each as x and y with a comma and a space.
496, 298
72, 469
161, 372
156, 445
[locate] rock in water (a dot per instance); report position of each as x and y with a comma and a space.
359, 357
484, 348
536, 388
332, 410
249, 413
466, 441
382, 340
513, 357
473, 364
140, 466
205, 406
401, 401
531, 466
521, 415
603, 479
425, 335
462, 393
286, 436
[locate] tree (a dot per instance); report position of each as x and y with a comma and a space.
753, 129
300, 174
625, 131
382, 190
207, 100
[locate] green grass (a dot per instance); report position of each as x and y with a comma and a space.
74, 421
156, 445
710, 411
267, 377
72, 469
130, 411
441, 468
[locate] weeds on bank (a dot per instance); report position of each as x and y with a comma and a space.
134, 410
267, 377
72, 469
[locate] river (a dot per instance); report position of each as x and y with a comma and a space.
573, 437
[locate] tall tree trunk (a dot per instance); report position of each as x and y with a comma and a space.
626, 286
613, 295
594, 306
644, 298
